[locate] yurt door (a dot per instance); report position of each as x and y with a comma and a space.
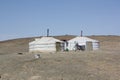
89, 46
58, 46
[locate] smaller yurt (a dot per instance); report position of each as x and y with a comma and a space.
83, 43
45, 44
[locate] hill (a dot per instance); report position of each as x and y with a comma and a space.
103, 64
21, 44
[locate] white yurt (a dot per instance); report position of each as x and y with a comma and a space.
88, 43
45, 44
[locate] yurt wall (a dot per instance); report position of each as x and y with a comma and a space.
45, 44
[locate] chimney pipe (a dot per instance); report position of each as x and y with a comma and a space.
47, 32
81, 33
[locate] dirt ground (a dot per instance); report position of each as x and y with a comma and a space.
94, 65
103, 64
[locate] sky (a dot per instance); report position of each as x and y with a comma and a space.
29, 18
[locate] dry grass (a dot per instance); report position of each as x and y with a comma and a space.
94, 65
97, 65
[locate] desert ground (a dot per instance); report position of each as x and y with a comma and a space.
102, 64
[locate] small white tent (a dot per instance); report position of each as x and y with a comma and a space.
82, 41
45, 44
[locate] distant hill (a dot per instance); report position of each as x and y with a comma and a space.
21, 44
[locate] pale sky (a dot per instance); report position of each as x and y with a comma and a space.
29, 18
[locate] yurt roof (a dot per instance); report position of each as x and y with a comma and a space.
45, 40
82, 39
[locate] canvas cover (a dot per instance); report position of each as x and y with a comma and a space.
82, 41
44, 44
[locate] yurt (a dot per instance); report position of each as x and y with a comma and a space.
83, 42
45, 44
